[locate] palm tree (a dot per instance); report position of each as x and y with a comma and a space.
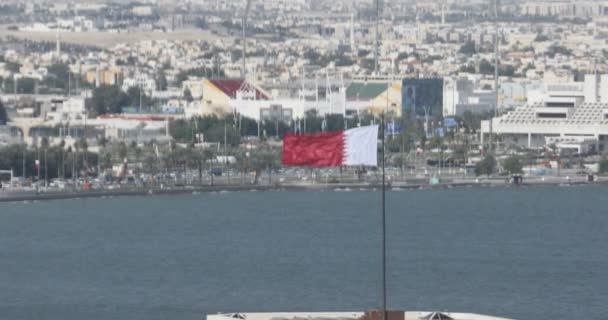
263, 159
122, 151
45, 146
62, 150
138, 152
207, 156
72, 159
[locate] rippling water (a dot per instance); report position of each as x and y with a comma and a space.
526, 253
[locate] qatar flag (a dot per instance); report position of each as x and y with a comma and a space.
352, 147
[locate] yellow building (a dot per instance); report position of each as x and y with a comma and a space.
375, 97
109, 76
218, 94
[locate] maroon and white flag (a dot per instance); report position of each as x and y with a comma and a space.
352, 147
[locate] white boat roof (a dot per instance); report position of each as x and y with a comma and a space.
408, 315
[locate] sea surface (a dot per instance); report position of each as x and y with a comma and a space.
524, 253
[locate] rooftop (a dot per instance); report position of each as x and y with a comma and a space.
365, 91
583, 114
369, 315
231, 86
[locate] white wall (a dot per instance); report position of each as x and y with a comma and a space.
604, 88
591, 87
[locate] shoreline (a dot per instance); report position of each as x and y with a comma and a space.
17, 196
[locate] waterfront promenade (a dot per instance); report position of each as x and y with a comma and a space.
227, 185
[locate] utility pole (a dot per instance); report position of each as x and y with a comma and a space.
46, 170
225, 139
244, 53
38, 160
495, 71
24, 149
377, 39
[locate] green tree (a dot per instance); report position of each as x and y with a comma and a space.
334, 122
3, 115
541, 38
485, 67
181, 130
107, 99
557, 49
468, 48
263, 159
485, 166
314, 122
58, 76
513, 165
161, 81
150, 162
400, 161
122, 151
468, 68
137, 96
24, 85
12, 67
603, 165
138, 153
435, 142
106, 161
219, 131
196, 72
62, 157
472, 121
188, 95
44, 143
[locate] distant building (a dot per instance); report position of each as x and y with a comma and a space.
570, 115
533, 125
139, 129
579, 9
109, 76
372, 96
422, 96
69, 109
461, 95
195, 86
143, 81
143, 11
219, 96
7, 136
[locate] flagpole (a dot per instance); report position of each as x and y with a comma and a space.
384, 315
383, 123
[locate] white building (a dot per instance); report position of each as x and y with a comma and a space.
143, 81
573, 115
60, 110
461, 95
6, 136
195, 86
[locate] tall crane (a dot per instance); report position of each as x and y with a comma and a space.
244, 42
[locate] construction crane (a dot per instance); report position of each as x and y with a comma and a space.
244, 42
